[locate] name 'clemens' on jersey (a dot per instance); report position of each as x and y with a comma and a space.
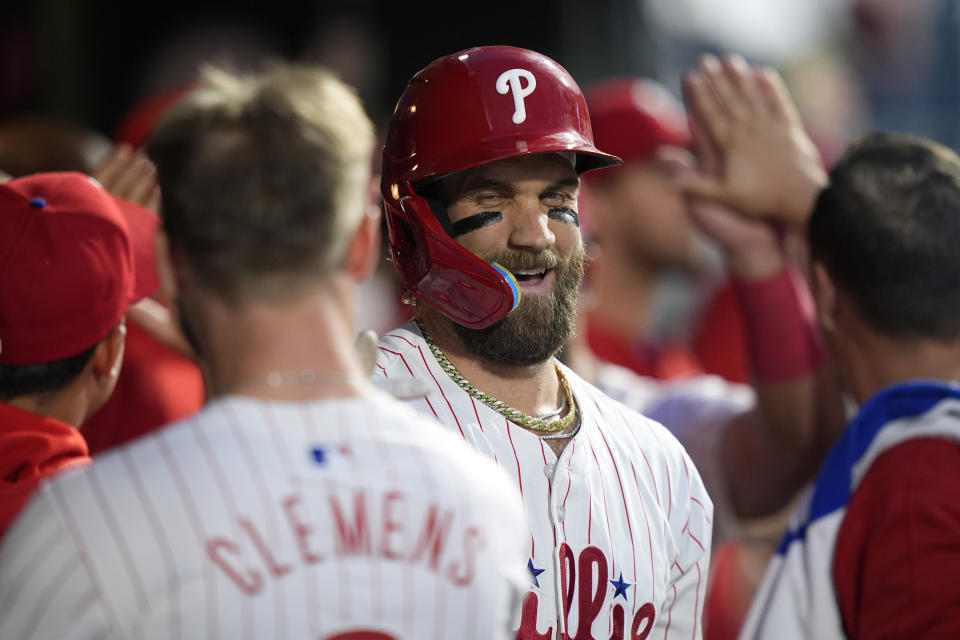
347, 519
620, 524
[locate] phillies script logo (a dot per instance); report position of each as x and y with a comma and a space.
576, 577
512, 81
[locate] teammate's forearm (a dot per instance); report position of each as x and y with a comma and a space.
774, 450
783, 342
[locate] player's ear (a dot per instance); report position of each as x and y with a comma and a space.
108, 356
825, 295
102, 372
363, 252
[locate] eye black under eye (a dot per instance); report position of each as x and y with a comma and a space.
474, 222
564, 214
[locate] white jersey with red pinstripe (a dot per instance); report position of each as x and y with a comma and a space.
348, 519
620, 525
697, 410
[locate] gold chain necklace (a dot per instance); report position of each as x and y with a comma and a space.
545, 424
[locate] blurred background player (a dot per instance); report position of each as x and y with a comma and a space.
655, 260
160, 382
480, 182
35, 144
869, 551
72, 260
300, 502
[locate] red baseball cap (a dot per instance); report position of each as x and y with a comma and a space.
72, 259
632, 117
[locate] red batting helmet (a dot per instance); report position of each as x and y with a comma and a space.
632, 117
462, 111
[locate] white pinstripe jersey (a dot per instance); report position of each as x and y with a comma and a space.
697, 410
620, 525
350, 519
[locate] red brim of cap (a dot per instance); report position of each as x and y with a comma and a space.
142, 226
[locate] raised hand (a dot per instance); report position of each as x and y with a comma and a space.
751, 246
128, 174
760, 160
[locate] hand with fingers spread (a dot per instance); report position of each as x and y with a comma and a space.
128, 174
747, 127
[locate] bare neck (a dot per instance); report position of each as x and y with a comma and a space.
533, 389
623, 293
873, 362
296, 351
69, 405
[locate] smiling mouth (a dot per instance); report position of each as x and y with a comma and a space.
531, 275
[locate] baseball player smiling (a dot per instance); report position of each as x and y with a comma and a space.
480, 180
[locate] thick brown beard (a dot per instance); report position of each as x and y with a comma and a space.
540, 325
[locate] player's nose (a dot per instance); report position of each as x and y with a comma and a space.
530, 229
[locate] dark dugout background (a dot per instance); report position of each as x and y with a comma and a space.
92, 61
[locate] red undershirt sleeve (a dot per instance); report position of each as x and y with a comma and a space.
896, 565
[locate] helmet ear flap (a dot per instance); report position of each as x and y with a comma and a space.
440, 272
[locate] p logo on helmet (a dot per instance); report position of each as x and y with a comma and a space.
510, 81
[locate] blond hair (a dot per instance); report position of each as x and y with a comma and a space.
264, 177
